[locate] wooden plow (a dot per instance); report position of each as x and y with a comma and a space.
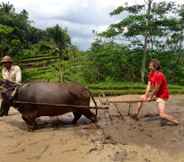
104, 101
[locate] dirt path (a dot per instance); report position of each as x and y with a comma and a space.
115, 138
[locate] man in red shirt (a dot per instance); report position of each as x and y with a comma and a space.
156, 88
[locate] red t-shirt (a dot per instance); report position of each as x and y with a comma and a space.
158, 78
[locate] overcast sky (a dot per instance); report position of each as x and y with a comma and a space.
79, 16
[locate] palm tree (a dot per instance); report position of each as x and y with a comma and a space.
7, 8
60, 37
62, 41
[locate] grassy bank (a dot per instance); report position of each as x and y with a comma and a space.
108, 88
44, 69
122, 88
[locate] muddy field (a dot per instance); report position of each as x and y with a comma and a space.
115, 138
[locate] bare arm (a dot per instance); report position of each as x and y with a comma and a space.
154, 91
148, 88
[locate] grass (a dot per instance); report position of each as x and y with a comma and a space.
117, 86
38, 59
107, 87
122, 88
125, 92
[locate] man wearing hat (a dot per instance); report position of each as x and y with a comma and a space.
9, 71
12, 73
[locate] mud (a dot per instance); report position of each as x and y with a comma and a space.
114, 138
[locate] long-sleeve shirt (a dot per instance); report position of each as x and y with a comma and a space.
14, 74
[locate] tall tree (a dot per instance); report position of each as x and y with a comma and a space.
60, 37
144, 26
7, 8
146, 37
62, 41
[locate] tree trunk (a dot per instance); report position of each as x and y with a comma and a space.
61, 72
146, 41
60, 67
179, 56
144, 59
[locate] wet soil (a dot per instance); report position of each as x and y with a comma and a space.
116, 137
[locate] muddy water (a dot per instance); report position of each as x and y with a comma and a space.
149, 130
116, 137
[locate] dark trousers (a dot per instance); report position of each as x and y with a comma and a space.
5, 104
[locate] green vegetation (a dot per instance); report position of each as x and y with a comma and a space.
115, 63
121, 88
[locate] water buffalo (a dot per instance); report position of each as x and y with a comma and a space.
52, 94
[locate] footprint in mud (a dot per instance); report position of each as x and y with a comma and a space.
109, 140
147, 160
124, 155
120, 156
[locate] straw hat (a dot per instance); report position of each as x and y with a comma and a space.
6, 59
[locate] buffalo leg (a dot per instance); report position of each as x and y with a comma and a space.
89, 115
77, 116
30, 121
